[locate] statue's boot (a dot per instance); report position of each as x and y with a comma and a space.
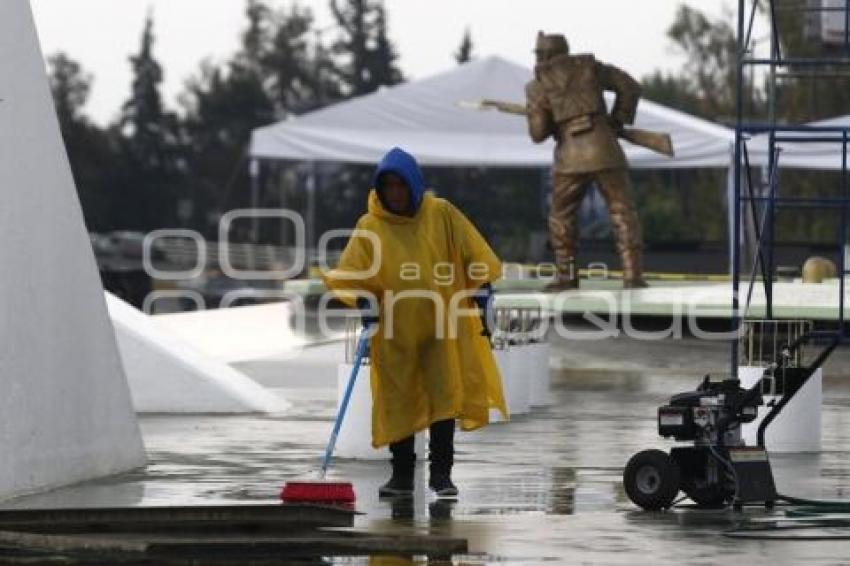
632, 268
617, 191
561, 284
566, 280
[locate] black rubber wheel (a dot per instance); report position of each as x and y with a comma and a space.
651, 480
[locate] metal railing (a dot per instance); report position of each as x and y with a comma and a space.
756, 205
762, 341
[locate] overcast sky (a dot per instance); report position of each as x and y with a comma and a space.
102, 34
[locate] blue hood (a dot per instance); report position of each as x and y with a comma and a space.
404, 165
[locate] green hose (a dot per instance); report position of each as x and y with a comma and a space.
819, 511
815, 505
832, 516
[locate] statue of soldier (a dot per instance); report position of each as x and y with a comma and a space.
565, 100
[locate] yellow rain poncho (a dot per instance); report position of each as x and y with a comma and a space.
429, 361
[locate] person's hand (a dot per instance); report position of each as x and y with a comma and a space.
367, 315
483, 298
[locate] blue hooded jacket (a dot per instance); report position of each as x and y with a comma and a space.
404, 165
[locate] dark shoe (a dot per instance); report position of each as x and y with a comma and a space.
398, 486
442, 485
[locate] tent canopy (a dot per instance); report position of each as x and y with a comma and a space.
425, 118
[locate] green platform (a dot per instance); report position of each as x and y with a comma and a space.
665, 298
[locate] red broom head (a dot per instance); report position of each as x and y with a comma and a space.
318, 492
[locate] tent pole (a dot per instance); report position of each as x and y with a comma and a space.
312, 182
730, 209
280, 174
254, 171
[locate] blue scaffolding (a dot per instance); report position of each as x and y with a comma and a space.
758, 208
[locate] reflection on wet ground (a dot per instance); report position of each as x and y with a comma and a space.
545, 487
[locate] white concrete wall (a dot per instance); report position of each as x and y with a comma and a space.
168, 375
65, 411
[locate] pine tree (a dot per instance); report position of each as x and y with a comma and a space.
257, 36
90, 152
365, 44
143, 120
382, 59
70, 87
464, 52
223, 105
300, 75
150, 143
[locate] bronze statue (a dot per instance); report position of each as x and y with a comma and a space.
565, 101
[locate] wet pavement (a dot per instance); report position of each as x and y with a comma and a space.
544, 488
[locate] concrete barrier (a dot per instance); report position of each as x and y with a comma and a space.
355, 436
65, 410
167, 375
798, 427
540, 382
516, 384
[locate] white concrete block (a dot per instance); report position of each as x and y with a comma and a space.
355, 435
167, 375
798, 427
516, 384
65, 410
540, 381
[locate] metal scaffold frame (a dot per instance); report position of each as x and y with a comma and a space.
757, 207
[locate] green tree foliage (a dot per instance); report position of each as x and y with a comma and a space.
150, 143
710, 47
381, 63
706, 86
134, 173
90, 151
222, 105
302, 77
464, 51
364, 44
70, 87
806, 94
143, 119
690, 205
256, 37
278, 71
673, 90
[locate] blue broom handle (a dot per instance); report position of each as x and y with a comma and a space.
362, 345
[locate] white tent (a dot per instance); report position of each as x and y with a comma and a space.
425, 118
820, 155
428, 119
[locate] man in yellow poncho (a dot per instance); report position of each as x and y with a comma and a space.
426, 268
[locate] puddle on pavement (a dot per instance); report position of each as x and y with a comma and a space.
542, 489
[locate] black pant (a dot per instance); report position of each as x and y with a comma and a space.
441, 448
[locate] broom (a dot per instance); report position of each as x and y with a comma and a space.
322, 491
